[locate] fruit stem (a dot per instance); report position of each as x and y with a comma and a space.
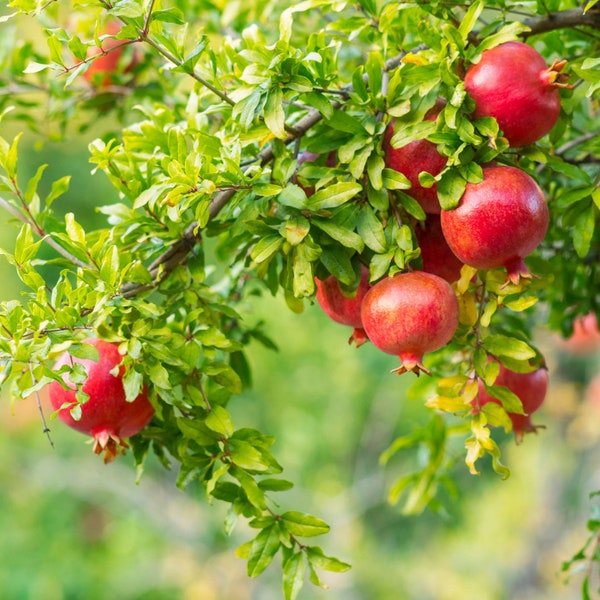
555, 77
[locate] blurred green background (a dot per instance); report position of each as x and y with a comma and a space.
74, 528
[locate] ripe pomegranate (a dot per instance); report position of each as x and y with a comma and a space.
529, 387
106, 415
435, 252
498, 221
585, 338
409, 315
343, 309
101, 71
513, 84
412, 159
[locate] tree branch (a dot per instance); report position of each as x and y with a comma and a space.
180, 250
574, 17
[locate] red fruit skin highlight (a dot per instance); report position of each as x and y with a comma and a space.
498, 222
513, 84
343, 309
531, 388
106, 416
409, 315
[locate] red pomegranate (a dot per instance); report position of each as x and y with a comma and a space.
102, 70
585, 338
412, 159
498, 222
435, 252
106, 415
344, 309
409, 315
531, 389
513, 84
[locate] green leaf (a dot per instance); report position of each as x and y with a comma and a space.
246, 456
274, 115
264, 548
370, 229
583, 230
502, 345
450, 189
328, 563
266, 247
74, 230
470, 18
334, 195
340, 234
219, 420
294, 196
303, 524
510, 401
293, 575
271, 484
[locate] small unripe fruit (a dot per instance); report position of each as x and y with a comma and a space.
409, 315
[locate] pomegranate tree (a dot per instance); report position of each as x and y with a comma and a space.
409, 315
106, 415
513, 84
414, 158
437, 256
344, 309
530, 388
498, 221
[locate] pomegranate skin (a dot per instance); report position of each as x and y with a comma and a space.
412, 159
498, 222
106, 416
531, 389
513, 84
343, 309
435, 253
409, 315
585, 338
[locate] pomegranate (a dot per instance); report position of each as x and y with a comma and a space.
513, 84
412, 159
529, 387
409, 315
106, 415
435, 252
341, 308
498, 221
101, 70
585, 338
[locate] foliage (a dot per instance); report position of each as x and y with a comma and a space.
204, 122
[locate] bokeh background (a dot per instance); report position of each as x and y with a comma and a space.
73, 528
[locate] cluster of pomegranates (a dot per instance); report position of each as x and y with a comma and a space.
497, 223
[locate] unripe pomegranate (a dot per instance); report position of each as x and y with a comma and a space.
344, 309
412, 159
498, 221
435, 252
409, 315
531, 389
106, 415
585, 338
513, 84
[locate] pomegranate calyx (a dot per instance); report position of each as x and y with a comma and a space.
531, 428
108, 443
516, 270
555, 77
410, 363
358, 337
